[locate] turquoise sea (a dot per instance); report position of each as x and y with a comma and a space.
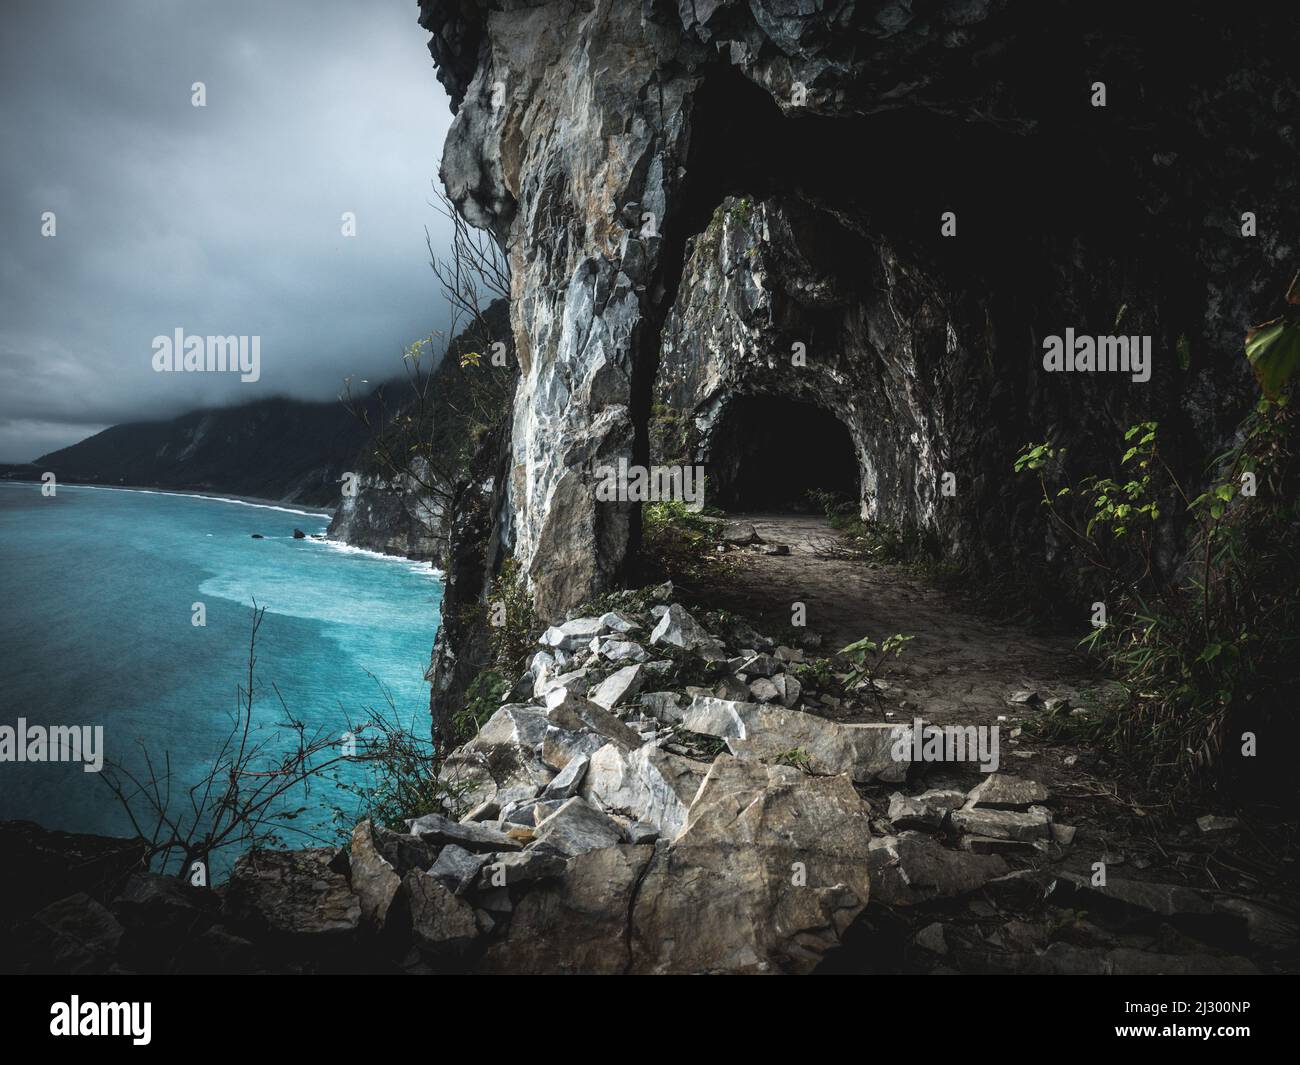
97, 594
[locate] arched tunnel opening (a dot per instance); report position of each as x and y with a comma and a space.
769, 454
742, 143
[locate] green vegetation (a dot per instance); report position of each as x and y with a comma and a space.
636, 600
869, 657
677, 542
840, 511
1274, 347
1206, 649
402, 779
511, 627
797, 757
740, 211
482, 699
426, 429
817, 673
513, 623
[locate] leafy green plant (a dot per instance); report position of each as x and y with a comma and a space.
1273, 348
797, 757
678, 543
482, 700
816, 673
1113, 508
513, 624
402, 776
869, 656
1207, 644
626, 600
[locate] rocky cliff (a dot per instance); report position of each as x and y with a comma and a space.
394, 517
424, 433
692, 193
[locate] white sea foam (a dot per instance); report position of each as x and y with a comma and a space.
424, 568
329, 585
179, 495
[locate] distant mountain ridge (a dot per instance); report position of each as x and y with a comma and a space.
279, 449
293, 451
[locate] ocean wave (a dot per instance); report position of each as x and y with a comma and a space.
426, 568
180, 495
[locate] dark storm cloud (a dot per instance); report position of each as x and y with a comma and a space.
220, 220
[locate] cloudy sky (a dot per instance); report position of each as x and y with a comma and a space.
224, 219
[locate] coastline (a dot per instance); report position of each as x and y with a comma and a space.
255, 501
305, 509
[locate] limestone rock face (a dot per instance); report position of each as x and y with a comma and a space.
434, 828
1002, 824
688, 233
678, 629
576, 828
579, 714
512, 724
568, 780
767, 732
605, 858
638, 848
442, 924
578, 924
774, 861
623, 685
600, 141
294, 894
394, 519
768, 873
499, 772
580, 188
456, 868
998, 791
374, 881
911, 868
648, 785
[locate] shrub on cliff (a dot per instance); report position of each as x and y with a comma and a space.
426, 428
1207, 650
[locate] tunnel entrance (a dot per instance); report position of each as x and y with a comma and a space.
768, 454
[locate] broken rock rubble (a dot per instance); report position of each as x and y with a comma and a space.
624, 841
632, 819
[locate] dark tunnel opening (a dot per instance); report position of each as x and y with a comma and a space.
771, 454
742, 144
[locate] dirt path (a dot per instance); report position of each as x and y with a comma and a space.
960, 668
